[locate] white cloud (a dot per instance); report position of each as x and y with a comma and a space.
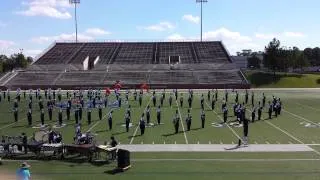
234, 41
294, 34
49, 8
226, 34
32, 52
97, 32
175, 37
6, 44
162, 26
53, 3
270, 36
266, 36
190, 18
179, 37
61, 37
89, 35
6, 47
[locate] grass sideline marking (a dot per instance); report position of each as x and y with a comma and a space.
98, 122
184, 132
308, 106
285, 132
177, 160
300, 117
9, 125
225, 160
222, 121
136, 130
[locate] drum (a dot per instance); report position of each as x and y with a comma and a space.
41, 136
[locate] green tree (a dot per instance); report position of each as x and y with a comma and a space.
270, 57
253, 61
302, 61
316, 56
308, 54
29, 60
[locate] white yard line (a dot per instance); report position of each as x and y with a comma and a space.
8, 125
300, 117
20, 120
184, 132
285, 132
225, 160
222, 121
136, 130
210, 159
98, 122
308, 106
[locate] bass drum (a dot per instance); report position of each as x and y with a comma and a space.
41, 136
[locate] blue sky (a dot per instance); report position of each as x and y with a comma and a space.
32, 25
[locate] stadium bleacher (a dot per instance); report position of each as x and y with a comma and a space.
60, 53
202, 65
33, 78
135, 53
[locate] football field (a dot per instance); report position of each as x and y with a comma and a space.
286, 146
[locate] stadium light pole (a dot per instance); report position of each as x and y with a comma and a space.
75, 2
201, 3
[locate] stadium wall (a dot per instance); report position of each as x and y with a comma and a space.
135, 86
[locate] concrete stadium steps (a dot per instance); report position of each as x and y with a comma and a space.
172, 77
126, 77
60, 53
132, 78
209, 52
80, 78
219, 77
33, 79
181, 49
55, 67
166, 67
104, 50
135, 53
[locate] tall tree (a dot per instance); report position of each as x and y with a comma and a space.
316, 56
302, 61
253, 61
308, 54
271, 55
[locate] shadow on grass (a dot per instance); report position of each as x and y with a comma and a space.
114, 171
318, 81
195, 129
172, 134
19, 126
118, 133
101, 131
138, 135
73, 160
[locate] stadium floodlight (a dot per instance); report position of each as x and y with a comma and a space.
75, 2
201, 2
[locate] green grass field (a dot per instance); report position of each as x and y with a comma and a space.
297, 124
282, 80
